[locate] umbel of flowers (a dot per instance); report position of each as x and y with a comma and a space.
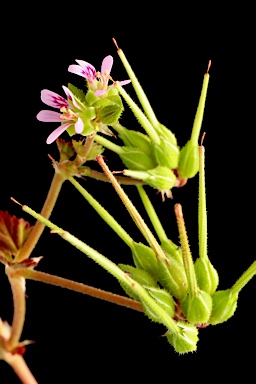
153, 157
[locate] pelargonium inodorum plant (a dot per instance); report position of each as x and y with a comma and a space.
162, 279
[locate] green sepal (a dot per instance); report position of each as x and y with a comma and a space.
224, 306
166, 154
184, 341
173, 250
78, 94
127, 289
88, 128
206, 275
172, 276
136, 159
137, 140
79, 147
144, 258
166, 133
197, 307
109, 109
142, 277
161, 178
91, 98
163, 299
189, 160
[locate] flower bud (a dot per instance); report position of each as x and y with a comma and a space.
142, 277
136, 159
161, 178
224, 306
189, 160
197, 308
184, 341
206, 275
144, 258
172, 276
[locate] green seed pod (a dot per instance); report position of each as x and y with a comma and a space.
172, 276
173, 250
144, 258
189, 160
166, 154
224, 306
206, 275
163, 298
136, 159
197, 308
160, 178
142, 277
184, 341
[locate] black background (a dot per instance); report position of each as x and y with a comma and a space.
79, 338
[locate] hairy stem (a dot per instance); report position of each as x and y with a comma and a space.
79, 287
37, 230
21, 369
19, 304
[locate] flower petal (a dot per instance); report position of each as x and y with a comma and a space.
107, 64
53, 99
49, 116
70, 96
57, 132
84, 69
79, 125
100, 92
124, 82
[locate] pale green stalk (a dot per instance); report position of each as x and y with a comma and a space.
108, 144
138, 88
112, 268
200, 109
103, 213
202, 213
152, 215
145, 123
133, 211
243, 280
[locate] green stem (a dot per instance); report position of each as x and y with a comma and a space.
202, 213
108, 144
103, 213
152, 214
37, 230
78, 287
243, 280
145, 123
19, 305
138, 89
186, 254
112, 268
102, 177
200, 109
133, 211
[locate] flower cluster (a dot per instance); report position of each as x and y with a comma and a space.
76, 115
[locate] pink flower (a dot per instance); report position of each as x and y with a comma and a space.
67, 114
97, 81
